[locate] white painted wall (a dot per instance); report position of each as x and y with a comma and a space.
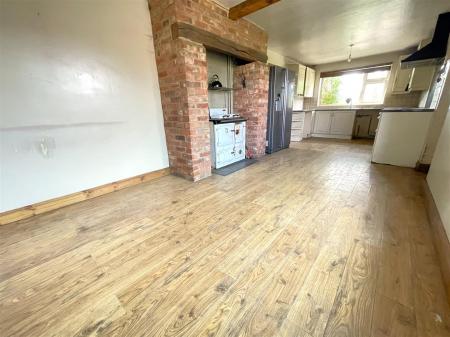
276, 59
439, 175
79, 97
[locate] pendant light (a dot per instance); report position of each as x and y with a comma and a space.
349, 59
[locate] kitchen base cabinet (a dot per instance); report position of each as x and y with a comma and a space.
322, 122
333, 124
401, 136
307, 124
298, 120
342, 123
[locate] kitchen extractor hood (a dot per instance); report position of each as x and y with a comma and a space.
434, 52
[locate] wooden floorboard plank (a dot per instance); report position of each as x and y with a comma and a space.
391, 319
353, 307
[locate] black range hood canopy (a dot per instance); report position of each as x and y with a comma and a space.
433, 53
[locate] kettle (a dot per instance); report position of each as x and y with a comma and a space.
215, 83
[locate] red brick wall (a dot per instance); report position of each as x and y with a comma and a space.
252, 103
182, 72
208, 15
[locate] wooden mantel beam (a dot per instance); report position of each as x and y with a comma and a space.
248, 7
214, 42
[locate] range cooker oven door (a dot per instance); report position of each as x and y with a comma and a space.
224, 134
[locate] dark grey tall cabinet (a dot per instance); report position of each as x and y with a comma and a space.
281, 101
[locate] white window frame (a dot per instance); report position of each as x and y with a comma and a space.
363, 88
372, 81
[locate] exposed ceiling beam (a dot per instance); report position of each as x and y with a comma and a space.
248, 7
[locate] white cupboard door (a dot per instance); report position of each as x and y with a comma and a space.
309, 82
301, 77
322, 122
421, 78
342, 123
402, 80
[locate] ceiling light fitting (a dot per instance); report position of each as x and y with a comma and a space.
349, 59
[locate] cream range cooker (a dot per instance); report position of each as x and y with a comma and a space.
227, 138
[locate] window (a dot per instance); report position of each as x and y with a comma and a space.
357, 87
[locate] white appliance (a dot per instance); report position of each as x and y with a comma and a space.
227, 138
221, 114
400, 137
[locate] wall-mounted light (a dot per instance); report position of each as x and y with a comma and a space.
349, 59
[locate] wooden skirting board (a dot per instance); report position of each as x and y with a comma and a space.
440, 238
52, 204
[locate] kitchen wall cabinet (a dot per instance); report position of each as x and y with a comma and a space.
415, 79
421, 78
309, 82
305, 79
301, 76
333, 124
300, 69
402, 79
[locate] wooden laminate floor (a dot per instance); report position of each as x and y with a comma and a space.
312, 241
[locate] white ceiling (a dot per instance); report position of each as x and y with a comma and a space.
319, 31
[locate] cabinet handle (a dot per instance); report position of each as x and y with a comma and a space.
407, 85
